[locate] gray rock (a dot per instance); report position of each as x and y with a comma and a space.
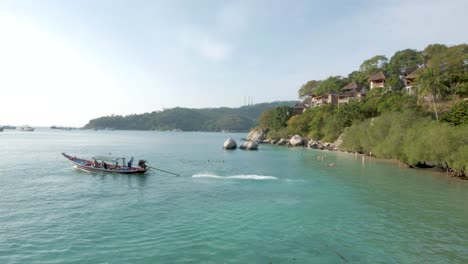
313, 144
250, 145
296, 140
283, 141
256, 135
230, 144
328, 145
339, 141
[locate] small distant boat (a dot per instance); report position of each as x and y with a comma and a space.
107, 164
25, 128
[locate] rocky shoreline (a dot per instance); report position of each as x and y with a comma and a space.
259, 136
295, 141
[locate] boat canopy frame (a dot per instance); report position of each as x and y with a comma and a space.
109, 158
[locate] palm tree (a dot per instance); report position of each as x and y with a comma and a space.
429, 84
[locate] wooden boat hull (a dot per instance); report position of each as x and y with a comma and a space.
87, 165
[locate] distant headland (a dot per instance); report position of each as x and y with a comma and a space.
222, 119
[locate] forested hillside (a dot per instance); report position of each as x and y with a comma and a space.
427, 123
205, 119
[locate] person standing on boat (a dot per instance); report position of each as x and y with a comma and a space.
130, 163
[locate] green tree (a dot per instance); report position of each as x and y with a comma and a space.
429, 85
405, 60
342, 117
455, 68
457, 115
264, 119
275, 119
374, 65
432, 51
450, 64
395, 102
359, 77
332, 83
401, 63
308, 88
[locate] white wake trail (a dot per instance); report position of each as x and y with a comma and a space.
242, 177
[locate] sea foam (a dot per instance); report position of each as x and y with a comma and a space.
242, 177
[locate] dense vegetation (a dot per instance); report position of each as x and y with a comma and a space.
429, 126
411, 137
207, 119
449, 66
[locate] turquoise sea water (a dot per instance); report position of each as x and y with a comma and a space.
275, 205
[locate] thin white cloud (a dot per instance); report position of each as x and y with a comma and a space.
215, 42
204, 44
214, 49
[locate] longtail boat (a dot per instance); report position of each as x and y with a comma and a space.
107, 164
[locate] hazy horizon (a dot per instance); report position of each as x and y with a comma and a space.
60, 125
66, 62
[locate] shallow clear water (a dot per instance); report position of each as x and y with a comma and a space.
275, 205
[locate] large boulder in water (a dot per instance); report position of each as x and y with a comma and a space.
230, 144
256, 135
251, 145
296, 141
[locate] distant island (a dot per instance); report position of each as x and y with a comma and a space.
8, 127
63, 128
240, 119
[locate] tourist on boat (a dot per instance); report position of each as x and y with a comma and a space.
104, 165
130, 163
95, 163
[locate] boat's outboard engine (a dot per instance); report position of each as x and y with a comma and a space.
142, 164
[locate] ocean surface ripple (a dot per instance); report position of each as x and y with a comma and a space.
275, 205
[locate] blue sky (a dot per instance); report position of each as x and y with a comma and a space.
65, 62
